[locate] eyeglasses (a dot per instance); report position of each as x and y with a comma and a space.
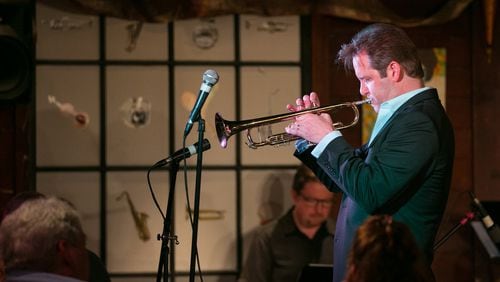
312, 202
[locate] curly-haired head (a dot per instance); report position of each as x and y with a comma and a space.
384, 250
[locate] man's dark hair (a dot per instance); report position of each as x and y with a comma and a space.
383, 43
303, 176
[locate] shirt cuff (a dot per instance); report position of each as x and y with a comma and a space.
301, 145
316, 152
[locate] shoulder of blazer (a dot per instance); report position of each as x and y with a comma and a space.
426, 95
408, 106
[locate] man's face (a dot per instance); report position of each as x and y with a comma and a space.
312, 204
372, 85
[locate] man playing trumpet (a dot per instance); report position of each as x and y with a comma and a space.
405, 168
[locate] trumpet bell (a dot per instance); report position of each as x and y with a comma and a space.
223, 131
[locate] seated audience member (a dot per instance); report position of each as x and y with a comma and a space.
282, 247
42, 240
97, 270
384, 250
9, 207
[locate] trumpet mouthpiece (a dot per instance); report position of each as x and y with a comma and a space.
365, 101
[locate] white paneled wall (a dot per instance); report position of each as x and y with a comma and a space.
113, 97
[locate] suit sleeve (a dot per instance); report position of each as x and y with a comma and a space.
311, 162
393, 166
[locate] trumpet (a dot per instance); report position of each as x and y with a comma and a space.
226, 129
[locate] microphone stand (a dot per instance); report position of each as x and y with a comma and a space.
167, 223
468, 217
194, 248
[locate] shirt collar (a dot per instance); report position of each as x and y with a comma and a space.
396, 102
291, 229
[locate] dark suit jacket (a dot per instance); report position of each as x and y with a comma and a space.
405, 171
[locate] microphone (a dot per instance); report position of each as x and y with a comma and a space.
210, 78
183, 153
492, 228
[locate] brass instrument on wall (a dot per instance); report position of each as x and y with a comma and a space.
139, 218
207, 214
226, 129
80, 119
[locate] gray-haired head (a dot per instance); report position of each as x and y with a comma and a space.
29, 236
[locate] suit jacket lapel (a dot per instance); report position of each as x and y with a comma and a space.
427, 94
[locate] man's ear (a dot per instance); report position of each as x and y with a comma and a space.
395, 71
73, 261
67, 253
62, 246
294, 195
63, 250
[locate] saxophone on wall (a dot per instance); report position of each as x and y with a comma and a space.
139, 218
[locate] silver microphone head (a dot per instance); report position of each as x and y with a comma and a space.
210, 77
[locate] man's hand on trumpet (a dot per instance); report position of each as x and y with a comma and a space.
306, 102
311, 127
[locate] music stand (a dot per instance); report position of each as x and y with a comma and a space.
485, 239
316, 272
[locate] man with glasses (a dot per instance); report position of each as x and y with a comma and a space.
283, 247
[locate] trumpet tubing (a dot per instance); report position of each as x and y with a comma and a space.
226, 129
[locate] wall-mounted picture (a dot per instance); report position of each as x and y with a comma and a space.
281, 34
216, 239
67, 115
135, 40
137, 115
207, 39
133, 221
265, 92
60, 35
